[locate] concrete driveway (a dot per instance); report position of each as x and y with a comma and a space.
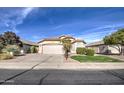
39, 69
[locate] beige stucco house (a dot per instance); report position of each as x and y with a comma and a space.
101, 48
54, 45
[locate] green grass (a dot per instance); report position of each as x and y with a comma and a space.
81, 58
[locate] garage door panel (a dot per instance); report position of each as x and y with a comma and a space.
53, 49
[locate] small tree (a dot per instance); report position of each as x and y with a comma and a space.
66, 46
117, 39
12, 39
28, 50
11, 48
9, 38
2, 43
33, 49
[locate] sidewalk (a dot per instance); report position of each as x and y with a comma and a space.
55, 62
117, 57
70, 60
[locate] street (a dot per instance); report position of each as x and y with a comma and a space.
53, 70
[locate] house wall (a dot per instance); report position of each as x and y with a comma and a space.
80, 44
114, 49
73, 49
105, 49
109, 49
40, 48
48, 42
76, 45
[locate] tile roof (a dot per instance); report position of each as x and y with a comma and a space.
95, 43
77, 40
58, 39
50, 39
65, 36
29, 42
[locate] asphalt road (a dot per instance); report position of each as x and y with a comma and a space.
62, 77
56, 76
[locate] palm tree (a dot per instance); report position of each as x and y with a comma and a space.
66, 46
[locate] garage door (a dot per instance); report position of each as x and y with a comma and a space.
53, 49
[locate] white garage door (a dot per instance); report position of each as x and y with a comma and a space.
53, 49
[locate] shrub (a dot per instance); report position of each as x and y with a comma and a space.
1, 47
12, 48
4, 56
90, 52
28, 50
81, 50
33, 49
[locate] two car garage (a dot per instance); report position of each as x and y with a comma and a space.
52, 49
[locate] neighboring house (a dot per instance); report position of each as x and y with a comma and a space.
54, 45
28, 44
101, 48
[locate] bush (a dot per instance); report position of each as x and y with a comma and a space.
28, 50
12, 48
90, 52
80, 50
33, 49
4, 56
1, 47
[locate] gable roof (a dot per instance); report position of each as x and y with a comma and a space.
50, 39
59, 38
28, 42
77, 40
66, 36
95, 44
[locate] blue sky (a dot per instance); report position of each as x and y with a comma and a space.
89, 24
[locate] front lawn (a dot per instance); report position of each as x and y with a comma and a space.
81, 58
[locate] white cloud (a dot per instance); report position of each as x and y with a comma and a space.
96, 34
11, 17
26, 11
113, 26
58, 27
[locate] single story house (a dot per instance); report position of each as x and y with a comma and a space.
101, 48
54, 45
27, 44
